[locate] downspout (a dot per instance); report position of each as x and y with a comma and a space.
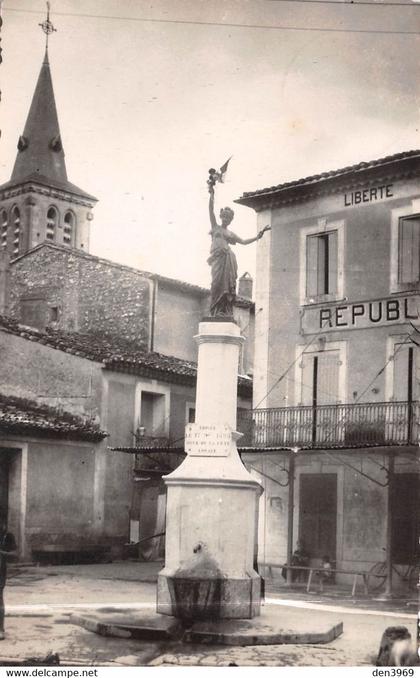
290, 511
388, 582
153, 297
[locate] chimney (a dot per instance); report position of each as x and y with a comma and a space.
245, 284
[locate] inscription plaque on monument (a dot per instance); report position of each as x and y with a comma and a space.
208, 440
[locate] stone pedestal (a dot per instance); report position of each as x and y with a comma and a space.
212, 499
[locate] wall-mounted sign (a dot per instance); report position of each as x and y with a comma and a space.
371, 194
208, 440
361, 314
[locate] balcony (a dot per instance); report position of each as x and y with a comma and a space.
331, 426
155, 457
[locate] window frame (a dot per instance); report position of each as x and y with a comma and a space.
158, 390
321, 228
408, 284
411, 209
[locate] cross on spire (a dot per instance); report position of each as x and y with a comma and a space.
47, 27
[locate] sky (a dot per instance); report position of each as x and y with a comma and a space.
150, 95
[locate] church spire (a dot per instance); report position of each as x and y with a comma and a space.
40, 151
39, 205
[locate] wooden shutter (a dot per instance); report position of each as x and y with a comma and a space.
322, 258
321, 264
400, 364
312, 266
409, 250
332, 262
328, 377
307, 379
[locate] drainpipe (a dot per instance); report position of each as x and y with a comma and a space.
290, 509
388, 583
153, 294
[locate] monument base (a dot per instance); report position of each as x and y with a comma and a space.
220, 597
277, 625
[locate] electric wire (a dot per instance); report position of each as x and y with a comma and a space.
305, 29
352, 3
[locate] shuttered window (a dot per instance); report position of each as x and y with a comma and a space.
4, 229
16, 231
409, 250
321, 264
328, 377
320, 383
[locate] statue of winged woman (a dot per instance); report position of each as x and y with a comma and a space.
224, 268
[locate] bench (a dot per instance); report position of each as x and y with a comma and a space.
320, 570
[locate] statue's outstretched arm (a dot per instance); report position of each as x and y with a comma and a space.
248, 241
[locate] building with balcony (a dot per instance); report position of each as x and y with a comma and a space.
88, 426
334, 433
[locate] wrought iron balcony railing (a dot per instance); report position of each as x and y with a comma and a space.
331, 426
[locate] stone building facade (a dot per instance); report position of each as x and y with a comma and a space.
53, 286
336, 373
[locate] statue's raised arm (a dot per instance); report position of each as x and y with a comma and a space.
213, 221
224, 269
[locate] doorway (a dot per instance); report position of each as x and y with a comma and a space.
4, 486
405, 513
318, 514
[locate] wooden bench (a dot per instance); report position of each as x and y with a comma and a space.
320, 570
355, 573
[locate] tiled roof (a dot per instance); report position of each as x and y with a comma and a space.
247, 197
169, 282
19, 416
121, 356
165, 367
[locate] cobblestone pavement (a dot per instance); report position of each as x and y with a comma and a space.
39, 602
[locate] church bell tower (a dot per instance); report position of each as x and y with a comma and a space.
39, 204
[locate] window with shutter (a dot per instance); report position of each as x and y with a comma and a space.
321, 264
16, 231
4, 229
409, 250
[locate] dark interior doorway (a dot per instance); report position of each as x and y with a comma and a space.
318, 514
405, 518
4, 486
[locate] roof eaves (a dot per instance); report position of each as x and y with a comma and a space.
23, 416
249, 198
65, 186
